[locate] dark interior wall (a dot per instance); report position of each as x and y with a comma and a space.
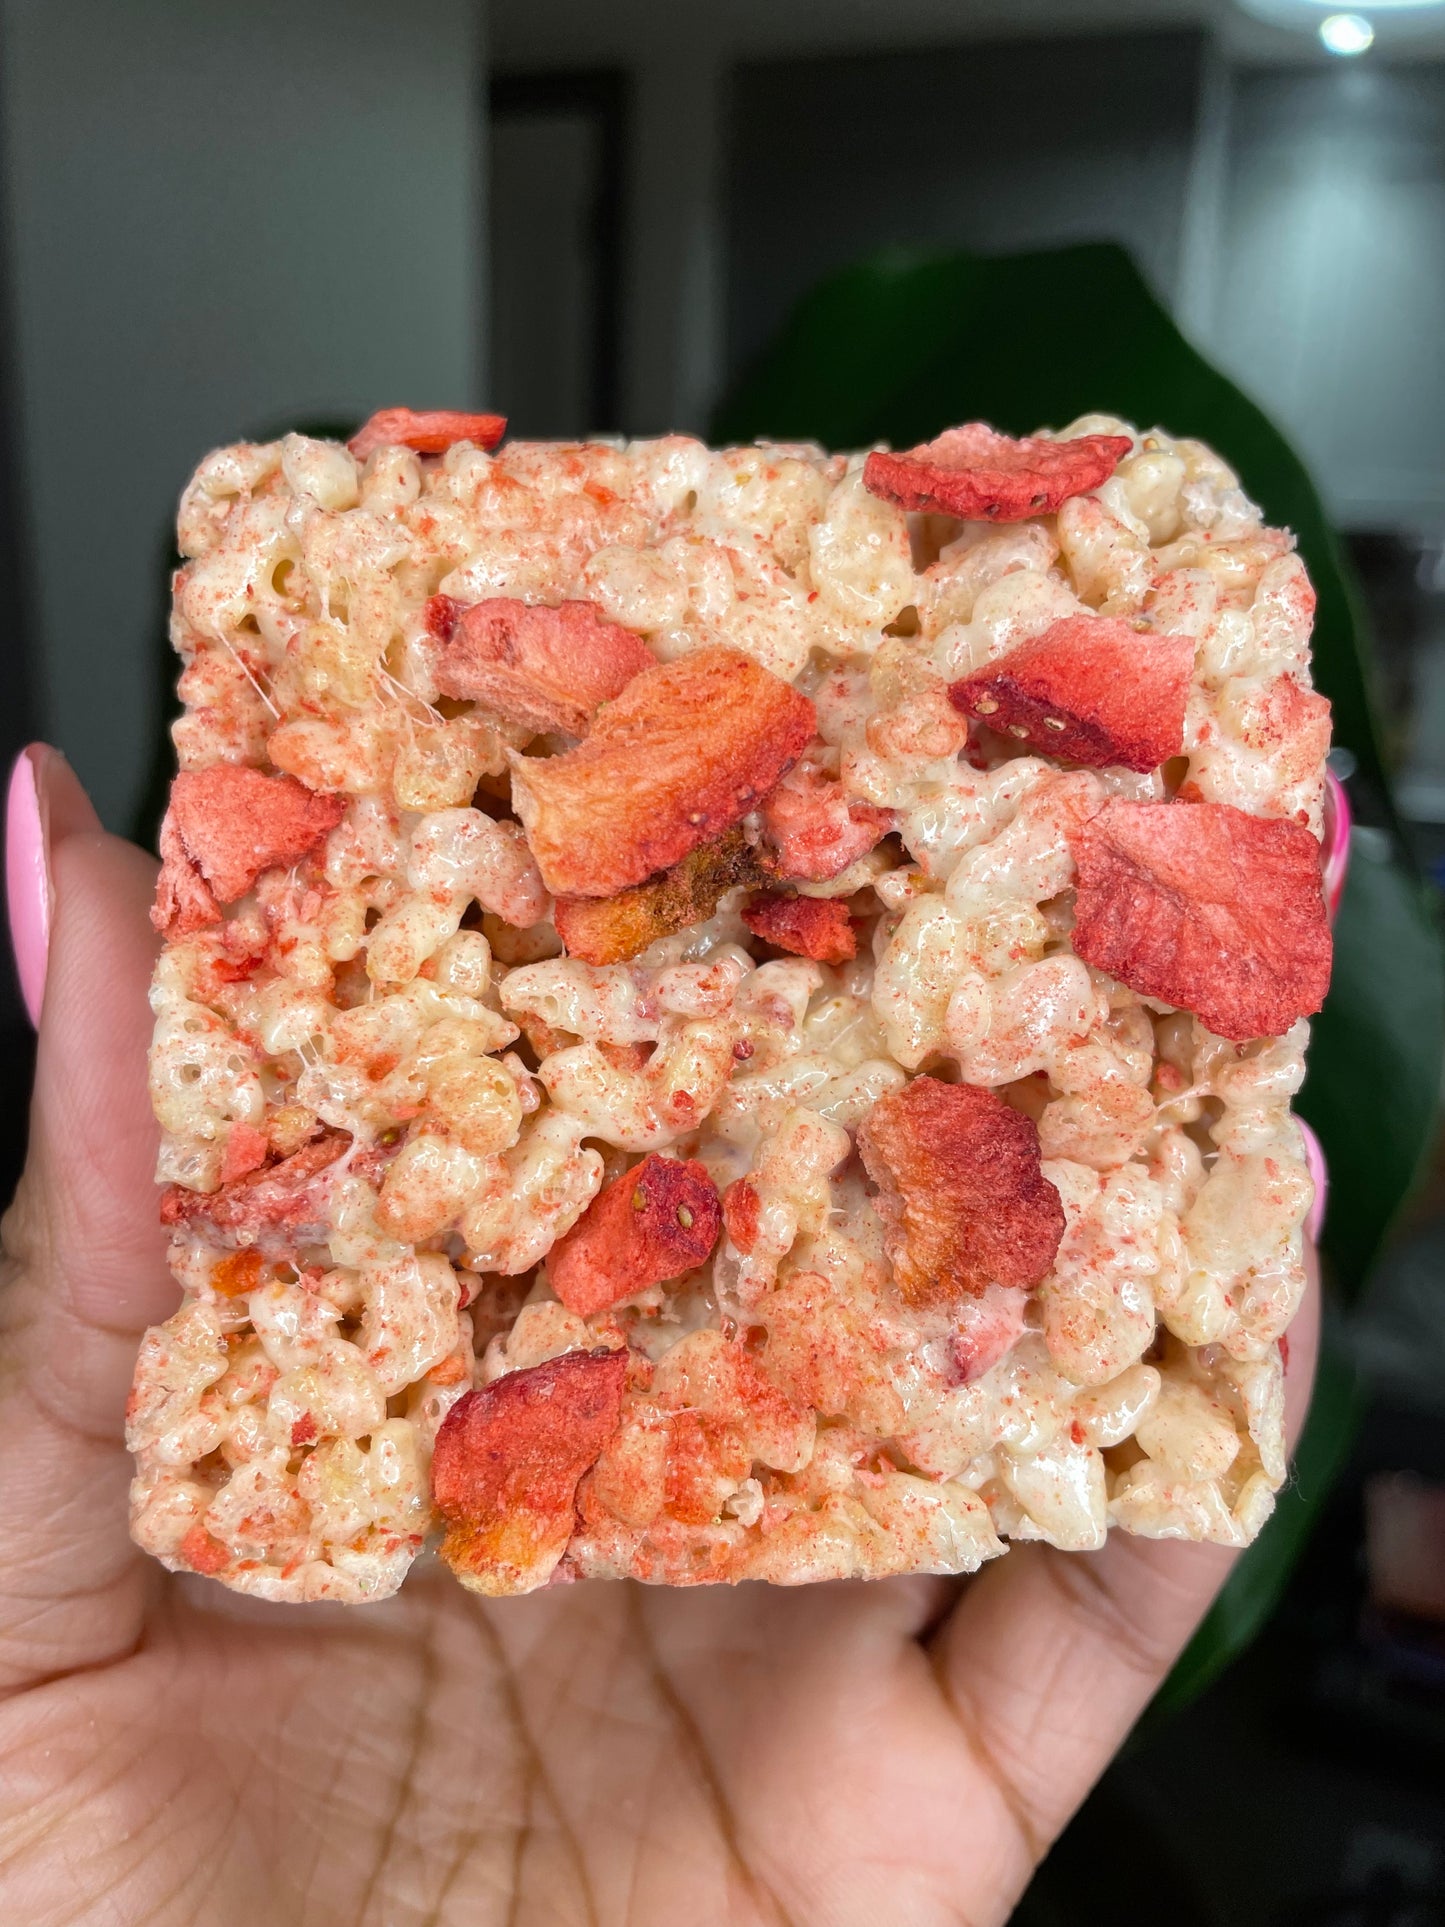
998, 147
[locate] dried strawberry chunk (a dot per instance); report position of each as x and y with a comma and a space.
982, 476
246, 1150
1208, 909
683, 754
183, 903
508, 1460
961, 1191
227, 824
430, 431
546, 668
283, 1195
816, 829
806, 926
656, 1221
605, 930
742, 1214
1090, 688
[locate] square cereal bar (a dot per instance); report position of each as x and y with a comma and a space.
726, 1015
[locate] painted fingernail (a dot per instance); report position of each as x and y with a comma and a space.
29, 897
1320, 1175
1337, 841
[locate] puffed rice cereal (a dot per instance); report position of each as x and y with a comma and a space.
726, 1014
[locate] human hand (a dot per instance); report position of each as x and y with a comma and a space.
896, 1752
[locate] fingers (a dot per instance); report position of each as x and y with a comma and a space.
84, 1266
1050, 1657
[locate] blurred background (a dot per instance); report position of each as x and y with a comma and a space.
221, 221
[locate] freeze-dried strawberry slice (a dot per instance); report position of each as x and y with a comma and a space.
683, 754
742, 1214
813, 927
246, 1151
183, 903
656, 1221
1090, 688
227, 824
982, 476
430, 431
507, 1463
816, 829
546, 668
1208, 909
963, 1198
604, 930
282, 1195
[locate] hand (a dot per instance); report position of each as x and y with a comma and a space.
886, 1753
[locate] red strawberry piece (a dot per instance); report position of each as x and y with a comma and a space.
1208, 909
742, 1213
816, 829
246, 1151
961, 1191
656, 1221
546, 668
430, 431
283, 1195
813, 927
1091, 689
508, 1460
227, 824
684, 753
982, 476
183, 903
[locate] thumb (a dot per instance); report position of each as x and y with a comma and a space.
83, 1254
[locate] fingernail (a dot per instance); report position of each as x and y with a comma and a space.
1320, 1175
29, 898
1337, 841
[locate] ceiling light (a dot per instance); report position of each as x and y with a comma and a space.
1346, 33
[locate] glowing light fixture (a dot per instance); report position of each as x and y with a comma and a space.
1346, 34
1388, 23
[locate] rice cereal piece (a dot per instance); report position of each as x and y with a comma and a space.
961, 1191
683, 754
655, 1222
607, 930
813, 927
1208, 909
982, 476
1091, 689
429, 431
544, 668
225, 825
507, 1463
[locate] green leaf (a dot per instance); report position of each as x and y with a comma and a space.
902, 345
1375, 1054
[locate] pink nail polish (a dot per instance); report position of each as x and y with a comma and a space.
1320, 1173
28, 894
1337, 842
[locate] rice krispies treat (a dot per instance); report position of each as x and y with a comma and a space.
863, 1187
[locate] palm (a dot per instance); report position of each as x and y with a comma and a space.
897, 1752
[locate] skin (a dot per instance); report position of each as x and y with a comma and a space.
900, 1753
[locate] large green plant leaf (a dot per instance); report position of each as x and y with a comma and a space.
901, 346
1375, 1053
